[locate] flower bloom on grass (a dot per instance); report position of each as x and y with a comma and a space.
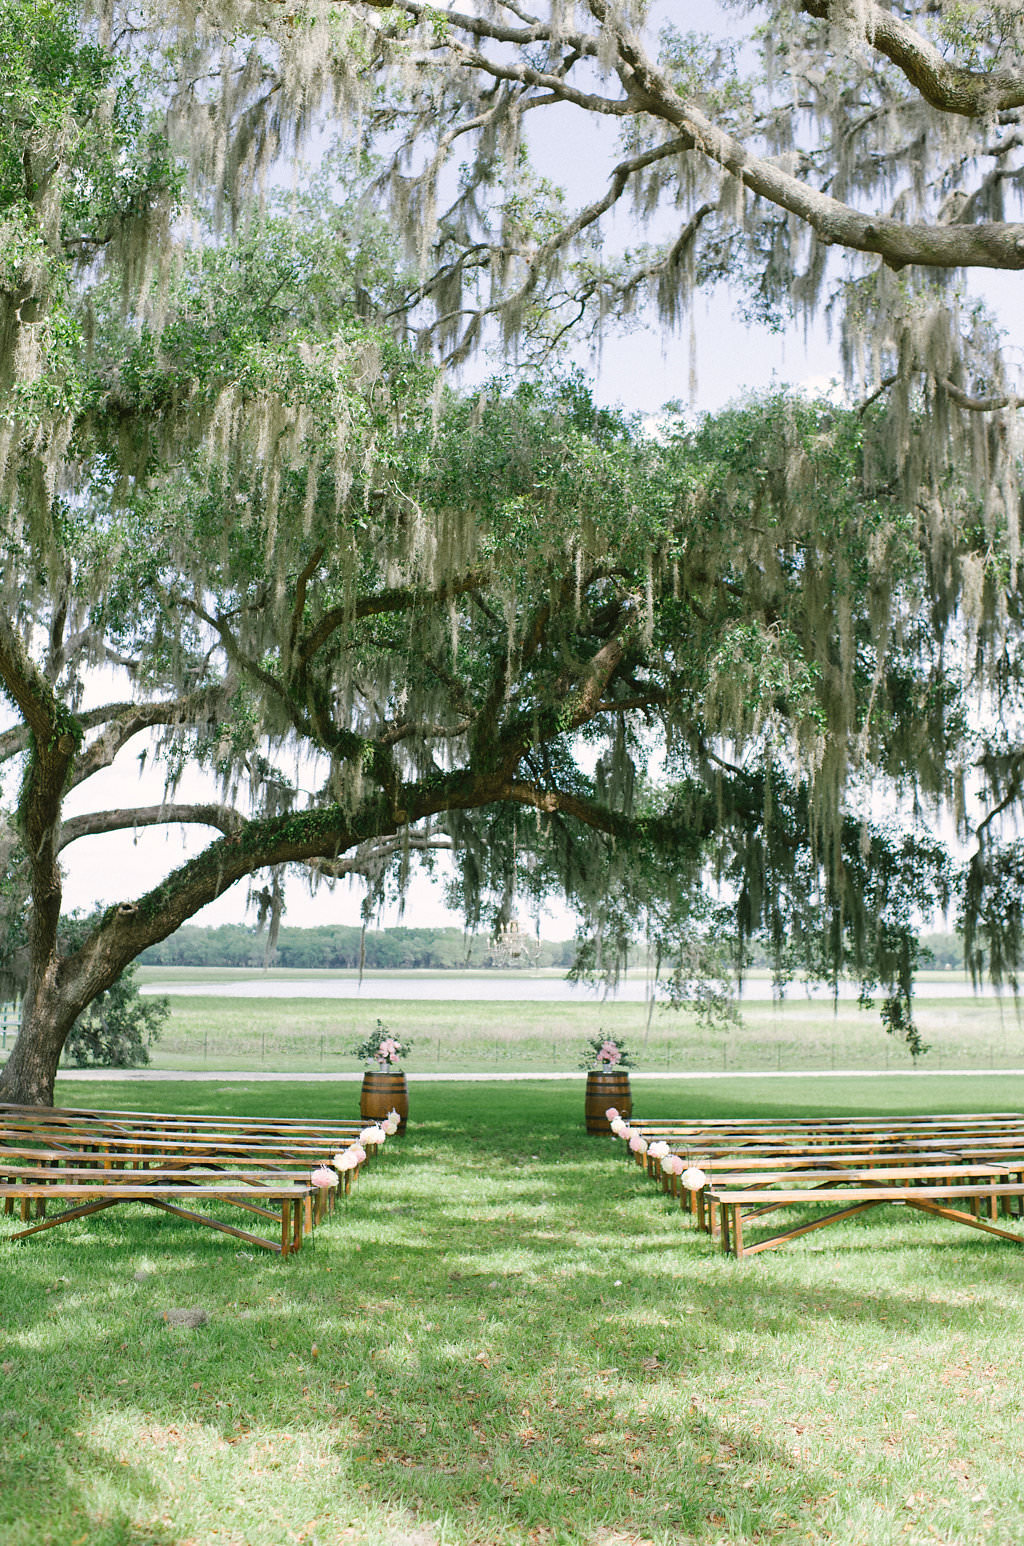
637, 1143
693, 1178
323, 1175
658, 1150
373, 1134
612, 1114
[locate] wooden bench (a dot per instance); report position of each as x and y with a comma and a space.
294, 1201
761, 1167
855, 1199
99, 1159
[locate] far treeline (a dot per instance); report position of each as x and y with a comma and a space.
338, 947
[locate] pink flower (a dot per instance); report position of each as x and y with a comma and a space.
673, 1164
351, 1158
373, 1134
323, 1175
638, 1144
658, 1150
612, 1114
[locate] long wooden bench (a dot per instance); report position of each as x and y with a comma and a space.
752, 1169
104, 1189
856, 1199
96, 1160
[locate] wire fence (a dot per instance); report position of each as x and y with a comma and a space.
239, 1035
323, 1052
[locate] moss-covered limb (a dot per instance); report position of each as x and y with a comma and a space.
299, 838
14, 742
950, 87
95, 823
396, 599
243, 662
130, 718
27, 688
121, 722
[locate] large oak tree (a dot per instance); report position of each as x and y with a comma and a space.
229, 476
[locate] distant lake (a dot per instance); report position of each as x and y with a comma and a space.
490, 987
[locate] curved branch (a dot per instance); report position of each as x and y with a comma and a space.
981, 404
399, 599
126, 720
95, 823
368, 857
949, 87
992, 245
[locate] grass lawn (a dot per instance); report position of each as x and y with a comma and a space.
312, 1034
507, 1336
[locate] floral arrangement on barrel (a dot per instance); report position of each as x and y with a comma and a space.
382, 1049
605, 1055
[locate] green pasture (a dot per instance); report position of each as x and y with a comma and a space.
506, 1337
457, 1036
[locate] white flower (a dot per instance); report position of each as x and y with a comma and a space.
693, 1178
619, 1128
323, 1175
658, 1150
373, 1134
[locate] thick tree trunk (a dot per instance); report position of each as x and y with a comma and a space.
28, 1076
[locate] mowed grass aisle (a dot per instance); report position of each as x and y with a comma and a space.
507, 1336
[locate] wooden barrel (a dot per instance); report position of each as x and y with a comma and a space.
604, 1090
382, 1093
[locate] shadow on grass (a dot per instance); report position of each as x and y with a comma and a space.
505, 1328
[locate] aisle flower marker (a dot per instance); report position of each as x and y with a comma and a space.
381, 1051
606, 1060
384, 1085
603, 1054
